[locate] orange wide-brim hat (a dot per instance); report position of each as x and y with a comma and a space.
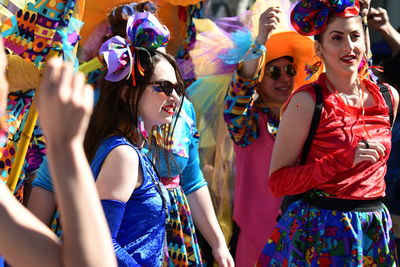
299, 47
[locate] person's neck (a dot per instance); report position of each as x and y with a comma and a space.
344, 84
275, 111
274, 108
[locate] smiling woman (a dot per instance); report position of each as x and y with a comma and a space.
130, 105
339, 218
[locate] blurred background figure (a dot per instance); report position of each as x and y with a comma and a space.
388, 56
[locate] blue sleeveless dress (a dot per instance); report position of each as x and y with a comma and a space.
141, 233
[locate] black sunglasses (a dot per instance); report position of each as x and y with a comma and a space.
275, 72
167, 87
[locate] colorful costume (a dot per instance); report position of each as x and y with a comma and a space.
137, 228
139, 231
311, 233
183, 177
253, 130
185, 170
18, 104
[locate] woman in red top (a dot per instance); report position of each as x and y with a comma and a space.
340, 219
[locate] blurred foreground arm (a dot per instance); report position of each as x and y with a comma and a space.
65, 105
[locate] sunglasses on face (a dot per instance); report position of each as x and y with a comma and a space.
275, 72
166, 87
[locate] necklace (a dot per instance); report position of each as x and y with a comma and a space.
272, 122
347, 107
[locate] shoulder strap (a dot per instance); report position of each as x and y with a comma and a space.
314, 123
388, 99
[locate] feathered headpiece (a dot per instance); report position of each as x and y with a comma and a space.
143, 31
309, 17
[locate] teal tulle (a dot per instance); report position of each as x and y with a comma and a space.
242, 40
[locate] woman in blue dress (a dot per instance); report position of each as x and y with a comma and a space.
181, 176
139, 91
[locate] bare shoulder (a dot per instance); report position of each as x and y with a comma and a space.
301, 104
119, 174
293, 130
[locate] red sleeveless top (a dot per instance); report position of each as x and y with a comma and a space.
329, 166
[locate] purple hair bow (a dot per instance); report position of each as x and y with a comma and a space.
143, 31
309, 17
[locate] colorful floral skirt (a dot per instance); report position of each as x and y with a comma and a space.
183, 248
311, 236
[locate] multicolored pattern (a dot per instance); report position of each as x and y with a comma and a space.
18, 105
144, 31
310, 236
183, 248
32, 32
9, 7
309, 17
241, 112
183, 58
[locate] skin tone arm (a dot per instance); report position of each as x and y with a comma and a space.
67, 98
267, 23
205, 219
117, 178
86, 240
42, 204
293, 131
378, 20
22, 230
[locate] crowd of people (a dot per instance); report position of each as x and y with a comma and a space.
311, 119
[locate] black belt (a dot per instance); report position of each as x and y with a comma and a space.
345, 204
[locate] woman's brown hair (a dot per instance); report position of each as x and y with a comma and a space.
117, 110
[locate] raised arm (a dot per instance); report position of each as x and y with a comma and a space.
65, 105
378, 20
238, 103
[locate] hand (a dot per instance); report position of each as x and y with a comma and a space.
369, 150
65, 103
267, 23
378, 19
364, 7
222, 256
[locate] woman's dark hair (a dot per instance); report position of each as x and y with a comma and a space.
117, 110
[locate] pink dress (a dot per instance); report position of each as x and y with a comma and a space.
255, 208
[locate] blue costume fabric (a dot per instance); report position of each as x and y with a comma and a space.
138, 226
183, 247
186, 162
138, 235
182, 243
185, 152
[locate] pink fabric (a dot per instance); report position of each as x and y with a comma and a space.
170, 182
255, 208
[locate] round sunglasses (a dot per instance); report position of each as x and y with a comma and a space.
275, 72
167, 87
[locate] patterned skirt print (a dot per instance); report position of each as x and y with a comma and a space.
310, 236
183, 248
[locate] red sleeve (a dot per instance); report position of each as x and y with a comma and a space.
299, 179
